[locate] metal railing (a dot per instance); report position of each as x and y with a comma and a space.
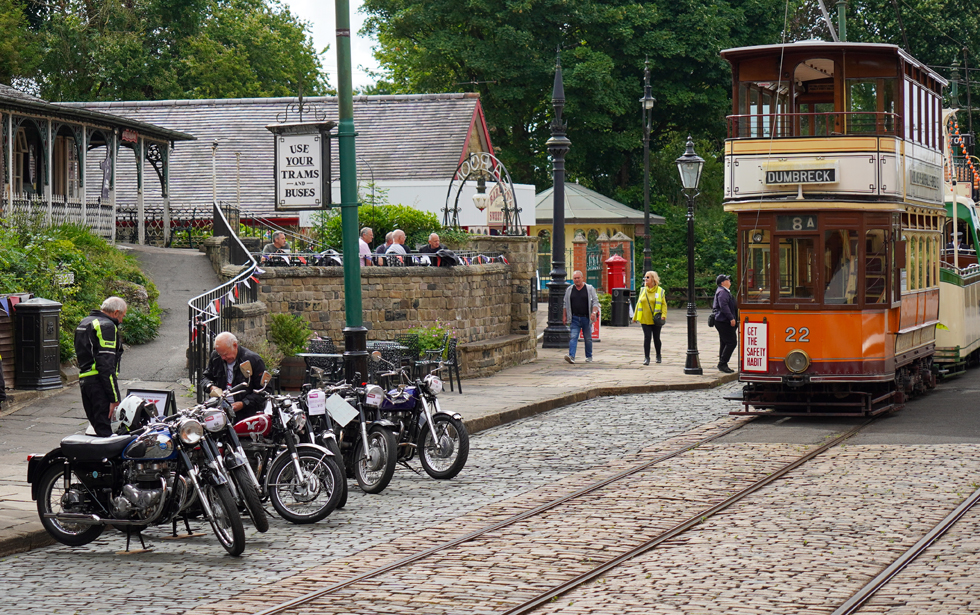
834, 123
206, 311
93, 214
332, 258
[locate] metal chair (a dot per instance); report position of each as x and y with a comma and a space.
391, 353
451, 361
333, 367
430, 358
412, 352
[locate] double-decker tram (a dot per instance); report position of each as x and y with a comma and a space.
834, 164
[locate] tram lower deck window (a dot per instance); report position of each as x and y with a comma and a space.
840, 267
755, 270
796, 260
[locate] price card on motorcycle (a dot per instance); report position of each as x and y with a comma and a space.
316, 401
340, 410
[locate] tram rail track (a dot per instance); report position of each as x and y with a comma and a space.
552, 593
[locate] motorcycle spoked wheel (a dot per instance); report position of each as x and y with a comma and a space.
375, 469
50, 493
445, 457
225, 520
306, 501
250, 497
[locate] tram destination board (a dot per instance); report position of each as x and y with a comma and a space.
801, 176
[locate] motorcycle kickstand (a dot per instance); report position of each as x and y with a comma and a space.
129, 535
405, 463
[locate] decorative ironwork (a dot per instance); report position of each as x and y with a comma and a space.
482, 168
157, 157
593, 264
299, 108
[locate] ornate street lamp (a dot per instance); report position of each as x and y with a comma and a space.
556, 334
646, 104
690, 165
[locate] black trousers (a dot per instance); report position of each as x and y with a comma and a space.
728, 336
95, 400
648, 332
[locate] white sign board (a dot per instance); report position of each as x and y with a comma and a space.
299, 171
755, 347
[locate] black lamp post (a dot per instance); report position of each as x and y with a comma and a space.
690, 165
556, 334
646, 104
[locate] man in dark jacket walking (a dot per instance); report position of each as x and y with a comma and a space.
725, 310
224, 371
98, 347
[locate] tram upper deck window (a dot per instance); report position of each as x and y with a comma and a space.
762, 107
871, 106
796, 260
840, 267
755, 270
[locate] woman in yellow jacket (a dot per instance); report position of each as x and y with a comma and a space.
651, 304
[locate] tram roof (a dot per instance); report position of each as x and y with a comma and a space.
744, 53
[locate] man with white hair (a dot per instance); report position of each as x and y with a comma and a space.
98, 348
397, 244
367, 236
224, 372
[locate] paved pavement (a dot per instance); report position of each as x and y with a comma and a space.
522, 391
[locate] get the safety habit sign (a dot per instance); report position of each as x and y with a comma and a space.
755, 347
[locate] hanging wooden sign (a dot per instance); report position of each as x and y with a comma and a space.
302, 157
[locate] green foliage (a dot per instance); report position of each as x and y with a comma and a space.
33, 258
382, 219
290, 333
141, 327
433, 338
19, 47
270, 353
605, 308
157, 49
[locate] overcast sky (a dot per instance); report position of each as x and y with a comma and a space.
320, 16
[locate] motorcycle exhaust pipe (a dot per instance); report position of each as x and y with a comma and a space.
79, 518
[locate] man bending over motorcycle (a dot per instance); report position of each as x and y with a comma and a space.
224, 371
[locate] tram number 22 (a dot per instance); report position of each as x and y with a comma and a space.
791, 334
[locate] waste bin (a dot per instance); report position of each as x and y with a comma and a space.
36, 337
621, 307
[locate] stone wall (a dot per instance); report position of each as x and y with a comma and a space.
488, 307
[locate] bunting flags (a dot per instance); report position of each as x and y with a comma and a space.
4, 305
245, 282
254, 279
231, 295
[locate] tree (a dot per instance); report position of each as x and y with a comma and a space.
158, 49
18, 45
442, 45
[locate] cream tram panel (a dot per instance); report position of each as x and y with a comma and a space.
959, 312
763, 175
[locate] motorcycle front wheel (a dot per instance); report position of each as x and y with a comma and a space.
446, 455
310, 499
374, 468
331, 445
250, 497
225, 520
50, 494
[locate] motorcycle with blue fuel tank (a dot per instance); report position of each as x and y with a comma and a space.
439, 437
130, 481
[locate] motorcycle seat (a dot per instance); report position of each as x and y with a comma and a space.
93, 448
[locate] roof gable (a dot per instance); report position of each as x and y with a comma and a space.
584, 205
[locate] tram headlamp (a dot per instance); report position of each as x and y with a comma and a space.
797, 361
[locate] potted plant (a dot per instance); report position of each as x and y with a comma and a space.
290, 334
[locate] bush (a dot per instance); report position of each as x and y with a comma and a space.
290, 333
383, 219
432, 338
270, 354
605, 308
35, 258
141, 326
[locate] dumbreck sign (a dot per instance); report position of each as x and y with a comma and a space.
302, 165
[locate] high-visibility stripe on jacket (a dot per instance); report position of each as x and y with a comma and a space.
99, 351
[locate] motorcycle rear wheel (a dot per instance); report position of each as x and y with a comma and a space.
311, 500
331, 445
250, 497
382, 444
50, 491
445, 458
225, 520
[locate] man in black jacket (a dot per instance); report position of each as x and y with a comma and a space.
98, 347
725, 309
224, 371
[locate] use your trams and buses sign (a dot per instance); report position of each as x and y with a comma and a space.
302, 165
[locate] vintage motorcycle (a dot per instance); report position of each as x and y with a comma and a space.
302, 480
131, 481
439, 437
350, 415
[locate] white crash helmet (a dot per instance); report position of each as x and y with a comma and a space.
132, 413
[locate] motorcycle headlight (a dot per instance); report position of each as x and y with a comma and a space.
434, 384
190, 431
214, 420
373, 395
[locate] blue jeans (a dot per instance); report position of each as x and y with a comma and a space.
580, 323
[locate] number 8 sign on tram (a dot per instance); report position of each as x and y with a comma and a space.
755, 347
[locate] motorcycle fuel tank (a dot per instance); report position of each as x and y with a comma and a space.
260, 424
395, 400
157, 444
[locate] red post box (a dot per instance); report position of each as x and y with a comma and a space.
616, 273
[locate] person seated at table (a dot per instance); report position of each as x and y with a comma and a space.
434, 247
397, 245
278, 246
224, 371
